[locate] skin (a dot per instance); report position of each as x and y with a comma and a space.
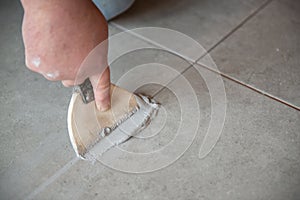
58, 35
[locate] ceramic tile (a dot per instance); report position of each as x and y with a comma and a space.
136, 63
264, 52
204, 21
256, 157
33, 118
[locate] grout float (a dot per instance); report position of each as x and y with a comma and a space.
129, 126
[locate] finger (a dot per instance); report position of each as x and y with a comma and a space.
68, 83
101, 87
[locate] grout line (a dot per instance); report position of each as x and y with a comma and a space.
189, 60
52, 178
244, 21
172, 80
263, 92
250, 87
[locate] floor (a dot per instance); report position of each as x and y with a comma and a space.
240, 96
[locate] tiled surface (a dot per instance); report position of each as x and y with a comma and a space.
33, 115
257, 156
34, 111
264, 52
136, 60
205, 21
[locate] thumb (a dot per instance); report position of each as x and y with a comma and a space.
101, 87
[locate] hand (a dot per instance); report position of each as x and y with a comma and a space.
58, 36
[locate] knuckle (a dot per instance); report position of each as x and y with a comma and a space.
52, 76
32, 63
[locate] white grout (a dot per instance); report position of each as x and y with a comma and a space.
52, 178
154, 43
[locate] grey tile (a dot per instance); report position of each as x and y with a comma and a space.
205, 21
257, 156
33, 115
33, 122
135, 63
264, 52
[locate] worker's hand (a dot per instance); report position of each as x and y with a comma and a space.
58, 35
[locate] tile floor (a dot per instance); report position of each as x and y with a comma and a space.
255, 45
